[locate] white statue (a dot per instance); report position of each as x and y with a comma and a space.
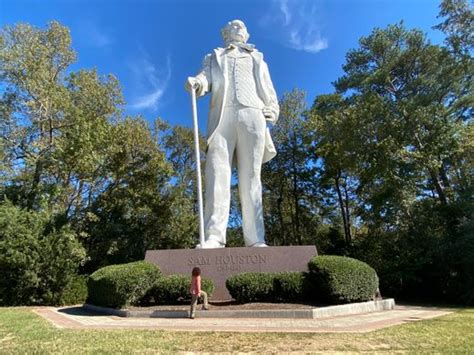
243, 100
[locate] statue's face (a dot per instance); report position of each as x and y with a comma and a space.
237, 31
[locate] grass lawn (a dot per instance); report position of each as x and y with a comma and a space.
22, 331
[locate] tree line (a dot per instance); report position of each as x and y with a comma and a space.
380, 169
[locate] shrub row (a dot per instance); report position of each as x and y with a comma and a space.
331, 279
174, 289
268, 287
139, 283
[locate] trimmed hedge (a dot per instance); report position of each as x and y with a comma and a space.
268, 287
121, 285
332, 279
251, 287
340, 279
290, 286
174, 289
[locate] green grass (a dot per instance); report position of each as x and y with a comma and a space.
22, 331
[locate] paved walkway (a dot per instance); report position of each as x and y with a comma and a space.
78, 318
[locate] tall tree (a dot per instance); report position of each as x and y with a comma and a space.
458, 25
400, 128
182, 228
68, 149
291, 204
130, 213
397, 81
54, 130
332, 124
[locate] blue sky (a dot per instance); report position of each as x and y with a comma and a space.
151, 46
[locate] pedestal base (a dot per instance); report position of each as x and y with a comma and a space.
219, 264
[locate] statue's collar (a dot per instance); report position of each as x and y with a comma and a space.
247, 46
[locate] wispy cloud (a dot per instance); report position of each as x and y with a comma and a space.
285, 11
99, 39
308, 41
93, 35
151, 80
295, 22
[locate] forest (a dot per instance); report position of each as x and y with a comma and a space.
380, 169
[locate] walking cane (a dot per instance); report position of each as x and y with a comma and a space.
198, 166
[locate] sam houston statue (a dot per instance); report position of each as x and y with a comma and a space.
242, 101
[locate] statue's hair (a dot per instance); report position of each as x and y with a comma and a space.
225, 31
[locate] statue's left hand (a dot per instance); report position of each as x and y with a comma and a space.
269, 114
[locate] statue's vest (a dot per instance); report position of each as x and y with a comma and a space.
242, 88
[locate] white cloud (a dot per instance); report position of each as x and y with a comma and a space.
309, 42
295, 23
286, 12
93, 36
150, 80
148, 101
99, 39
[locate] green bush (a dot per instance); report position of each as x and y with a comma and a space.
269, 287
121, 285
343, 280
251, 287
75, 292
174, 289
290, 286
37, 260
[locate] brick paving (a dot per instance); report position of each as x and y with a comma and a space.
78, 318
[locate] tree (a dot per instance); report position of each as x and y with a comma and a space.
397, 80
54, 126
68, 149
128, 216
182, 227
291, 204
399, 129
37, 260
458, 25
333, 123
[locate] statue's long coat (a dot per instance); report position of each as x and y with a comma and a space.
213, 78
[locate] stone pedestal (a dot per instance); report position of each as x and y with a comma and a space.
219, 264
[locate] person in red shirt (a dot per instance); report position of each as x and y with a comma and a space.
196, 292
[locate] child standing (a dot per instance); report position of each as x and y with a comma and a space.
196, 291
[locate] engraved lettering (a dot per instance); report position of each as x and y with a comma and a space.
234, 260
200, 260
228, 267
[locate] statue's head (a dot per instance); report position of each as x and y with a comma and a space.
235, 31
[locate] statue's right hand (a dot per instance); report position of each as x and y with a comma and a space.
192, 83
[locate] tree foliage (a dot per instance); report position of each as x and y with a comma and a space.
37, 260
290, 197
68, 149
380, 169
181, 229
396, 136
